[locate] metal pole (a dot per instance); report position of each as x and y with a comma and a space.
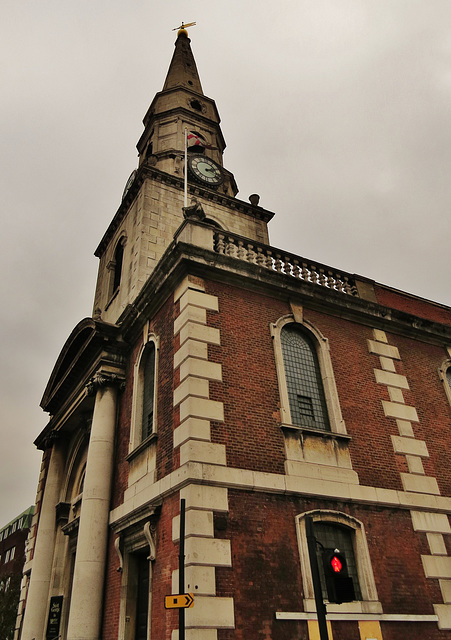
320, 606
185, 182
182, 568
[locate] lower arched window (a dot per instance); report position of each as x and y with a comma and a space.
334, 530
331, 536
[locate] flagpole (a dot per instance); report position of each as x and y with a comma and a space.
186, 171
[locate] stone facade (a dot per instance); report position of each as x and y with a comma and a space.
178, 389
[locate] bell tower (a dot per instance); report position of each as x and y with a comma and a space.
151, 210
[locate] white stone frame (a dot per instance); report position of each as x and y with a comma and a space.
442, 373
370, 602
337, 424
138, 385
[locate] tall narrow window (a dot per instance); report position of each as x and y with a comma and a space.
148, 391
445, 375
303, 378
118, 260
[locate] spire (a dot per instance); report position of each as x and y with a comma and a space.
182, 70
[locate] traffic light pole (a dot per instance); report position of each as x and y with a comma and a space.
182, 568
320, 606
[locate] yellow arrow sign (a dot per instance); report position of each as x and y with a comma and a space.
180, 601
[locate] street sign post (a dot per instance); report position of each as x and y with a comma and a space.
180, 601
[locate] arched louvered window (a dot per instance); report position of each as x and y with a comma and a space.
148, 394
303, 378
118, 260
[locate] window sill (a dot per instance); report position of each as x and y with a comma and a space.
316, 432
141, 446
113, 297
356, 606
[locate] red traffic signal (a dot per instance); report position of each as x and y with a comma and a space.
340, 587
336, 562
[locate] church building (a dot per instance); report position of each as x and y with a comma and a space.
225, 396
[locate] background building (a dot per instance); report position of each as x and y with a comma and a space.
259, 387
13, 539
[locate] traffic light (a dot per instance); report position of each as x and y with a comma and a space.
340, 587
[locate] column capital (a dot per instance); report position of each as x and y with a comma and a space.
103, 379
51, 438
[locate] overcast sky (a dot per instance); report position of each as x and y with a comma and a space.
337, 112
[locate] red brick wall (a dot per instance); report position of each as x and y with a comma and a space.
250, 394
266, 574
167, 459
249, 389
421, 308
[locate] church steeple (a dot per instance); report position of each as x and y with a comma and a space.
152, 207
182, 70
182, 105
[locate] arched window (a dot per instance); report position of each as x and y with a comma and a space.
336, 530
115, 268
118, 260
148, 395
144, 418
308, 394
306, 397
334, 536
445, 375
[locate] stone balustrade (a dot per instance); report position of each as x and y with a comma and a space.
284, 262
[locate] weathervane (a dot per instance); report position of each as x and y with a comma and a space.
183, 27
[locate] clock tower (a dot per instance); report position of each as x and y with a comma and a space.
151, 210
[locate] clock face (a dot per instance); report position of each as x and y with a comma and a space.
205, 170
130, 181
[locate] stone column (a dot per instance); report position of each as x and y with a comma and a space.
87, 591
35, 617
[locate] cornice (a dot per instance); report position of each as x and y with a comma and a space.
181, 258
277, 484
146, 171
200, 96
